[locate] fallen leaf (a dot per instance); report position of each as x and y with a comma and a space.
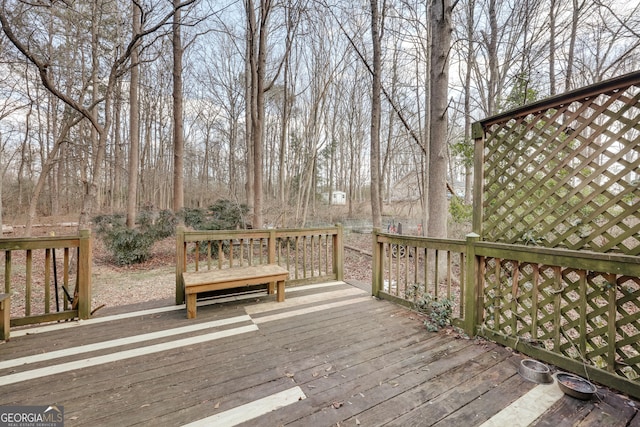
357, 422
145, 405
329, 368
315, 374
216, 406
289, 374
337, 405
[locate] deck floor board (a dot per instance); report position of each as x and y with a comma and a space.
358, 361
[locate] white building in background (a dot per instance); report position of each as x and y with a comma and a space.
337, 197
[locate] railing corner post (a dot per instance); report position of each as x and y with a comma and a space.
376, 277
84, 275
472, 286
180, 267
338, 253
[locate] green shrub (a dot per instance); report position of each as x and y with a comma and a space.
193, 217
438, 311
226, 215
131, 246
222, 215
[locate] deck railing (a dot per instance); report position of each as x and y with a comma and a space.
406, 267
311, 255
45, 262
556, 211
575, 309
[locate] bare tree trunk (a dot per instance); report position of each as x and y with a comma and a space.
441, 43
468, 176
376, 208
178, 133
116, 191
134, 123
248, 110
282, 151
257, 61
575, 16
492, 47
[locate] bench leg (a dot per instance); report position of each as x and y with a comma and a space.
281, 291
191, 306
271, 288
5, 318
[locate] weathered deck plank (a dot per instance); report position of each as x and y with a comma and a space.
356, 359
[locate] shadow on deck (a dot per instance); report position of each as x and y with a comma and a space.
329, 355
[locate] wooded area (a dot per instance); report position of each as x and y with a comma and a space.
107, 106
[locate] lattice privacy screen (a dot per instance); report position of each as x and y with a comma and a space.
584, 315
567, 176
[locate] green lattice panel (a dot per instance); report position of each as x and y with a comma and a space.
587, 316
567, 176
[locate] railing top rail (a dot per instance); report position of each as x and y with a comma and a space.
612, 263
195, 235
586, 92
306, 231
418, 241
51, 242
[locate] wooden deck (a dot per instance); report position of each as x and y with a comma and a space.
329, 355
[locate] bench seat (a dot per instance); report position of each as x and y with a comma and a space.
235, 277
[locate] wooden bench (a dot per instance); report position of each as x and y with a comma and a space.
5, 316
228, 278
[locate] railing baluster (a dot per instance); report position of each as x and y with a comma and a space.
27, 292
7, 271
65, 277
312, 253
197, 255
47, 280
304, 257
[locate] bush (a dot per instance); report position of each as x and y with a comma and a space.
226, 215
438, 311
193, 217
131, 246
222, 215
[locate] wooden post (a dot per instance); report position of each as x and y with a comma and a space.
5, 316
376, 285
473, 287
180, 268
84, 275
338, 253
272, 247
478, 178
